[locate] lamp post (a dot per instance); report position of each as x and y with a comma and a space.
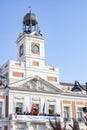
78, 87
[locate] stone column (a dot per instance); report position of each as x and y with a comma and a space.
47, 125
38, 126
27, 125
12, 126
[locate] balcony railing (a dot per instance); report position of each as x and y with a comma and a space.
80, 120
35, 118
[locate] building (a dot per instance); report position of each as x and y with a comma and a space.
30, 91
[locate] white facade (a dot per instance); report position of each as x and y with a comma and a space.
17, 99
30, 63
33, 86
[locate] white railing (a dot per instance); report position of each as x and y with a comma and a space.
32, 118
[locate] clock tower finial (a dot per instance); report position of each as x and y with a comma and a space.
29, 8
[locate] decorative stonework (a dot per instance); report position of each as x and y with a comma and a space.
17, 74
37, 84
35, 63
50, 78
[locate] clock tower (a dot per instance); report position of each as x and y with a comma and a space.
31, 43
30, 55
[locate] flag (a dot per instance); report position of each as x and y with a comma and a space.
32, 110
43, 111
25, 109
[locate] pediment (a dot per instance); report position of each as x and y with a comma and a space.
36, 84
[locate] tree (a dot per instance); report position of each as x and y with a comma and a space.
57, 125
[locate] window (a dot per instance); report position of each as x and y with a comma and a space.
17, 74
50, 78
51, 109
0, 109
19, 107
79, 113
66, 113
35, 63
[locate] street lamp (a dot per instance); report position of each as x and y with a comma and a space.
77, 87
84, 109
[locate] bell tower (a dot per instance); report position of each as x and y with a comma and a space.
31, 42
30, 23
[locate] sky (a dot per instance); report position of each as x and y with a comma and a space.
63, 23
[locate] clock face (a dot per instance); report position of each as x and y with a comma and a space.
35, 48
21, 50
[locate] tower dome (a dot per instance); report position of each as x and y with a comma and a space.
30, 23
30, 19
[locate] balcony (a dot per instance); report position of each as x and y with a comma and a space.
33, 118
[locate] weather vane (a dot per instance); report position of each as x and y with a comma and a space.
29, 8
